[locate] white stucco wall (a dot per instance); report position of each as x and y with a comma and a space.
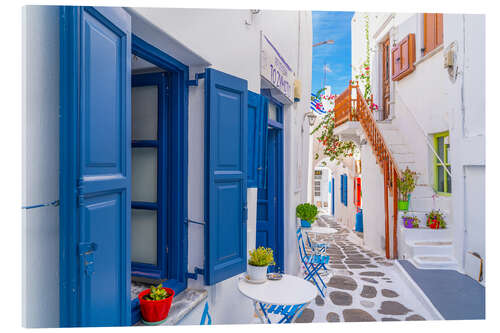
40, 170
222, 38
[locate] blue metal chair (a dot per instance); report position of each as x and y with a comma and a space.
318, 248
206, 316
312, 263
288, 312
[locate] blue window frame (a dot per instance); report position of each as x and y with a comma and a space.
343, 189
176, 146
152, 146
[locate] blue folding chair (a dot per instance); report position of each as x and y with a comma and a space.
206, 319
318, 248
288, 312
312, 263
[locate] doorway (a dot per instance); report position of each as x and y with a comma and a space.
386, 79
270, 228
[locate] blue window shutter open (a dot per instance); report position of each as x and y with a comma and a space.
253, 137
257, 139
226, 104
262, 161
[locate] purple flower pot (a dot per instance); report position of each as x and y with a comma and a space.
409, 223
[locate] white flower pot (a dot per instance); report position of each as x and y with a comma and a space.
257, 273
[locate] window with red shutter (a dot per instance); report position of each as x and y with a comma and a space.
403, 58
433, 31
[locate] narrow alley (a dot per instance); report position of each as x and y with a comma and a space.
362, 286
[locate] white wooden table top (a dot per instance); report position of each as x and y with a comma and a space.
290, 290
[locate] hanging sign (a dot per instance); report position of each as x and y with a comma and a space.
275, 69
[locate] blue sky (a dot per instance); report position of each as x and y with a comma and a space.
337, 57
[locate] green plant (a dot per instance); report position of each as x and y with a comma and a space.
157, 294
307, 212
436, 218
261, 256
406, 183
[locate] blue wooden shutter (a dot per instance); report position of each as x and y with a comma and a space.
253, 137
226, 103
257, 139
95, 176
262, 156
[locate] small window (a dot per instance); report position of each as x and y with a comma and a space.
433, 32
442, 180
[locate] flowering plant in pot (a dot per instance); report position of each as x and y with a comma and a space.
435, 219
260, 259
410, 221
307, 214
155, 304
406, 185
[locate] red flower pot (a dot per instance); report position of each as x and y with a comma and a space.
155, 311
434, 224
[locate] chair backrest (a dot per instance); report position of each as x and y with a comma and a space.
302, 247
206, 315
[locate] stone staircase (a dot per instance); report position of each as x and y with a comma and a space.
426, 248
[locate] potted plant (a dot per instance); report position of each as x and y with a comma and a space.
406, 185
307, 214
410, 221
260, 259
155, 304
435, 219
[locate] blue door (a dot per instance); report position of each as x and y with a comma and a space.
269, 200
95, 166
333, 195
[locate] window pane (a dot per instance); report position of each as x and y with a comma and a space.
273, 112
440, 148
144, 174
447, 148
144, 236
440, 178
145, 113
448, 180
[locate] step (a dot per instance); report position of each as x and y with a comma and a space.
397, 148
392, 136
434, 262
426, 247
403, 158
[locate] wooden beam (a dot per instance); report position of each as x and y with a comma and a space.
395, 210
386, 208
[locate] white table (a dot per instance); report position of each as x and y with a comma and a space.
290, 290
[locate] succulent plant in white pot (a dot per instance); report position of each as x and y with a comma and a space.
260, 259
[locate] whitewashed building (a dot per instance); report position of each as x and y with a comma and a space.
427, 77
132, 118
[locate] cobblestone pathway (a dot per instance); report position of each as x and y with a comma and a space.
361, 285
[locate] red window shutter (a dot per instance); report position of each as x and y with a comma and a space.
395, 59
429, 32
439, 29
406, 62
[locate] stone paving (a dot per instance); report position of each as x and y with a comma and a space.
361, 285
